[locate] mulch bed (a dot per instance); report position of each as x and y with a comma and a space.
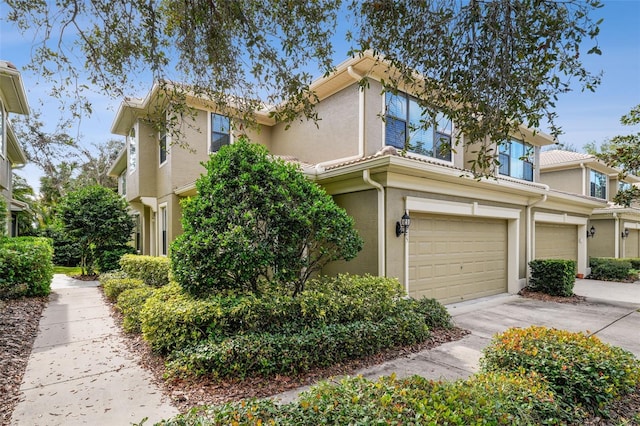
530, 294
188, 393
19, 321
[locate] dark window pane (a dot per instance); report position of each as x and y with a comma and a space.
395, 132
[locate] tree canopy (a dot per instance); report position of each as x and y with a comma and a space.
97, 218
487, 64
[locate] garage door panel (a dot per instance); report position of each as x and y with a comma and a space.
457, 258
555, 241
631, 244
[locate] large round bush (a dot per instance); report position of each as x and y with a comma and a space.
255, 220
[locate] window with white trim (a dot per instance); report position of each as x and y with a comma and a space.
122, 183
406, 126
220, 132
132, 142
598, 184
163, 230
516, 160
163, 147
624, 186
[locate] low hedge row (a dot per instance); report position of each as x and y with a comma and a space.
492, 399
268, 354
580, 369
26, 267
529, 377
609, 269
153, 270
113, 287
130, 303
173, 320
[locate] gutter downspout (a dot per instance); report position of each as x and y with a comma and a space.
320, 167
616, 233
584, 179
529, 232
366, 176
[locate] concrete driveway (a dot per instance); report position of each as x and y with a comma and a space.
610, 312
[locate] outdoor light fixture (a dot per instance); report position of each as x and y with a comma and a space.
591, 232
625, 233
402, 227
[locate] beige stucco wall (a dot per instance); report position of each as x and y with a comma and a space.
335, 137
366, 223
565, 180
141, 182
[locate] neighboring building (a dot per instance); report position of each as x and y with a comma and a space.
468, 237
616, 228
13, 99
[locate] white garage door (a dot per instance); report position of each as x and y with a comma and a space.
454, 258
556, 241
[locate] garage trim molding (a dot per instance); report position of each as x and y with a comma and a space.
471, 209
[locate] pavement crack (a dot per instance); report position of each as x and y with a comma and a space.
611, 323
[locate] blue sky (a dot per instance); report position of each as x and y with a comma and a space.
584, 116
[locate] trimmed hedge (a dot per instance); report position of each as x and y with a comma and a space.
493, 399
114, 286
553, 276
153, 270
268, 354
173, 319
26, 267
580, 369
609, 269
108, 259
130, 303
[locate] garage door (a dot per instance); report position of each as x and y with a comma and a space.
556, 241
455, 258
631, 244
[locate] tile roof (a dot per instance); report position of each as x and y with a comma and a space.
557, 156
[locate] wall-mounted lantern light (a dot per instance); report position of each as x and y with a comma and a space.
402, 227
591, 232
625, 233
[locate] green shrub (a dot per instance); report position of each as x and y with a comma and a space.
107, 259
153, 270
609, 269
26, 267
106, 276
257, 219
130, 303
493, 399
580, 369
434, 313
268, 354
553, 276
66, 249
114, 286
634, 261
171, 319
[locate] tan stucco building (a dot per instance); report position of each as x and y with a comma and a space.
13, 100
468, 237
614, 229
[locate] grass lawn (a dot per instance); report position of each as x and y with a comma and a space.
67, 270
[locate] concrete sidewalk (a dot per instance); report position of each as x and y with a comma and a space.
80, 371
611, 313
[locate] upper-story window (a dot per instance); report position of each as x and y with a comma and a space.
516, 160
598, 184
624, 186
163, 147
132, 142
220, 132
405, 128
3, 148
122, 183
